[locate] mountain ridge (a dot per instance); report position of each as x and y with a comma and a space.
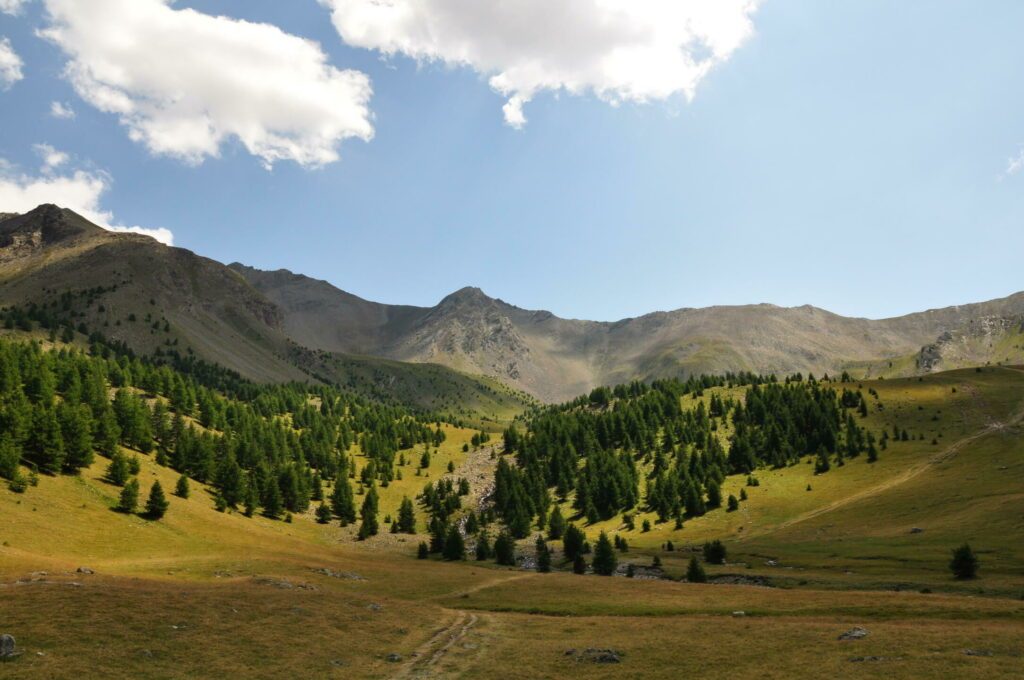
279, 325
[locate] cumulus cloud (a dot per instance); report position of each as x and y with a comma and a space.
80, 191
12, 7
10, 65
184, 82
52, 158
619, 50
62, 111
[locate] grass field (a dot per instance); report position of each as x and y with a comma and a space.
208, 594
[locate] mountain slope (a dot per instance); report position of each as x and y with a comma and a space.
555, 358
132, 289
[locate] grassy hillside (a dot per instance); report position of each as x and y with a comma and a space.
203, 593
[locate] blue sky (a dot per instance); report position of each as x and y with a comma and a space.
853, 155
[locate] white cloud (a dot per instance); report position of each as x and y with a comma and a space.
12, 7
80, 191
620, 50
10, 64
184, 82
1015, 164
52, 158
62, 111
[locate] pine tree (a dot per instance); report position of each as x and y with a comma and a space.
714, 552
422, 552
964, 564
556, 524
543, 555
323, 514
129, 499
181, 489
604, 562
454, 545
505, 549
579, 565
272, 505
406, 517
483, 547
572, 542
118, 470
733, 504
342, 503
45, 446
157, 504
368, 515
695, 572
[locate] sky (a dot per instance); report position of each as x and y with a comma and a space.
600, 159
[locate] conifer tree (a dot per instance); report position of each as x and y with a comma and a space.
157, 503
483, 547
714, 552
422, 552
505, 549
368, 515
579, 565
556, 524
45, 446
572, 542
342, 501
695, 572
406, 517
733, 504
604, 562
118, 470
964, 564
454, 545
323, 514
181, 489
272, 505
543, 555
129, 498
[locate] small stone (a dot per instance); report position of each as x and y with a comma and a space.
978, 652
85, 570
861, 659
374, 607
856, 633
916, 530
7, 646
739, 613
394, 657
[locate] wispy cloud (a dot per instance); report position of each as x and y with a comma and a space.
1015, 164
62, 111
10, 65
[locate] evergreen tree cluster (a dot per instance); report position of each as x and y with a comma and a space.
636, 447
268, 447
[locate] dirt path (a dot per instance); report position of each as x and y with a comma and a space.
426, 657
905, 476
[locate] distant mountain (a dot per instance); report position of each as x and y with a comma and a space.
156, 298
556, 359
275, 326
